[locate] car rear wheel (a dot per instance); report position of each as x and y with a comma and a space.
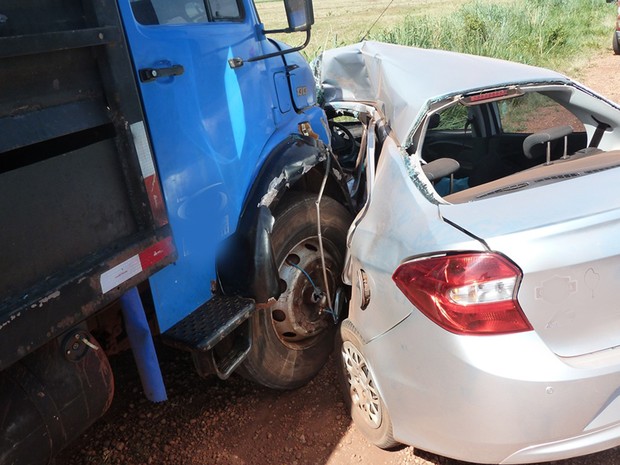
293, 338
360, 390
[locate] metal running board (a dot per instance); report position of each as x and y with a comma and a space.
202, 329
224, 364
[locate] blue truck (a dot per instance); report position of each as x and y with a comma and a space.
164, 171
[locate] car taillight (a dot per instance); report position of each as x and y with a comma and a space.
469, 293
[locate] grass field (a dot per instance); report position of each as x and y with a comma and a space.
555, 33
339, 22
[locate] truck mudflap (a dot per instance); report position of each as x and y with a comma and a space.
246, 265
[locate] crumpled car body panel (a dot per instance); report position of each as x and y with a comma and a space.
402, 80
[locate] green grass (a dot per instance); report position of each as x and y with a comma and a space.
339, 22
559, 34
549, 33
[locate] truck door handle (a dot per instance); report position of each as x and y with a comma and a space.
150, 74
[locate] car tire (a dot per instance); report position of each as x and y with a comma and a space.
360, 391
615, 45
293, 339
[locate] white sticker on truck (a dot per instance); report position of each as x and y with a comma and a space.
120, 273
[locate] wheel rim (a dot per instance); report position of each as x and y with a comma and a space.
299, 317
364, 395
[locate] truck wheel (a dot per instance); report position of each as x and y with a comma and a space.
360, 390
293, 338
615, 44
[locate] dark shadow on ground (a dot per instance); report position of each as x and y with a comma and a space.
208, 421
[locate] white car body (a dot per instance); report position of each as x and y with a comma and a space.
547, 391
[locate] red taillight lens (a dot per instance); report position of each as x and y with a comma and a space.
488, 95
471, 293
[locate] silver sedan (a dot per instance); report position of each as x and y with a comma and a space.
484, 262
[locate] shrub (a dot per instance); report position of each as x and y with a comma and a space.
538, 32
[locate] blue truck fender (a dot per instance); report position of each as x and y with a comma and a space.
246, 265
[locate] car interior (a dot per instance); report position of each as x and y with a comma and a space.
478, 144
488, 139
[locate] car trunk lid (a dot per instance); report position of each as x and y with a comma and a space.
564, 237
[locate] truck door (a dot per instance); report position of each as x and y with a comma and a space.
208, 125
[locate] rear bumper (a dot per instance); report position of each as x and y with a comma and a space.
580, 445
494, 399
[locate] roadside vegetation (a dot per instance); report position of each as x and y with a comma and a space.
343, 22
549, 33
558, 34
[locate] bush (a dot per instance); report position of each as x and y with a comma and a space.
538, 32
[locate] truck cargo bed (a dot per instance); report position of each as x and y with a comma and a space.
79, 225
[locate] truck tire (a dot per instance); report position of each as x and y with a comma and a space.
292, 339
615, 45
360, 391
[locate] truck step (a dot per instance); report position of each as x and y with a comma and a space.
202, 329
224, 362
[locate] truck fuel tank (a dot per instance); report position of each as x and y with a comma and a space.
51, 396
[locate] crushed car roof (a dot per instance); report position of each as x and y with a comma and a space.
406, 80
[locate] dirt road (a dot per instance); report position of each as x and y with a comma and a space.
209, 422
601, 74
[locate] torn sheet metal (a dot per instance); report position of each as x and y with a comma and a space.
398, 78
291, 173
